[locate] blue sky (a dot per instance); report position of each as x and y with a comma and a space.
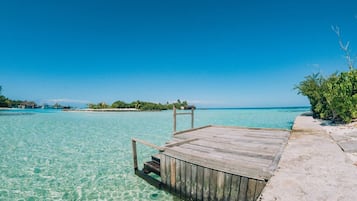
210, 53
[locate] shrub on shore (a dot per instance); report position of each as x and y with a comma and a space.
332, 98
335, 97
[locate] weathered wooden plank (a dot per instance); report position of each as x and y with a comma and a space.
206, 183
191, 130
188, 179
232, 147
194, 181
227, 186
178, 177
237, 145
148, 144
243, 187
244, 141
163, 168
217, 158
200, 180
221, 152
183, 178
236, 134
168, 172
259, 188
180, 142
246, 145
254, 142
237, 159
251, 189
173, 173
220, 186
213, 185
258, 130
213, 131
234, 138
135, 156
235, 187
222, 164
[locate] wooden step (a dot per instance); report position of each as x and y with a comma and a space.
152, 166
156, 158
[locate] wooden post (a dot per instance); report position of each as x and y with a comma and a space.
183, 113
135, 157
192, 117
174, 119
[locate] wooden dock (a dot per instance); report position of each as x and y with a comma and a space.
215, 162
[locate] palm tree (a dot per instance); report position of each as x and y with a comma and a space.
103, 105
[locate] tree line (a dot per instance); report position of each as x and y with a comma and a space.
9, 103
141, 105
6, 102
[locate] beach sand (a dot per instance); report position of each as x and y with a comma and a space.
345, 136
314, 166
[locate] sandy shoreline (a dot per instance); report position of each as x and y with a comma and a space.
104, 110
314, 166
345, 136
6, 108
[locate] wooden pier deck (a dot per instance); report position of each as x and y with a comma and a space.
217, 162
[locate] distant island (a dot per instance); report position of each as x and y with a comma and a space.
102, 106
138, 106
25, 104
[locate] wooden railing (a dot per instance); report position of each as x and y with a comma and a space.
183, 113
135, 155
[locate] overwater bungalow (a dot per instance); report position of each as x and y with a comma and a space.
27, 105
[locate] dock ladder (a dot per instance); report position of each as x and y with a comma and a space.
153, 166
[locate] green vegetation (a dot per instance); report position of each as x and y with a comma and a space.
6, 102
140, 105
334, 97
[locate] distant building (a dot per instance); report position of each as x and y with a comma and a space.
188, 107
27, 105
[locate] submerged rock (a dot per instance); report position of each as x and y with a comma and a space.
37, 170
154, 196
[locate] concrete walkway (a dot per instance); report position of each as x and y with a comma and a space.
312, 167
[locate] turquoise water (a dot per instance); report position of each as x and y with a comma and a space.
51, 155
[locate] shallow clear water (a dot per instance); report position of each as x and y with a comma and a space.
50, 155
